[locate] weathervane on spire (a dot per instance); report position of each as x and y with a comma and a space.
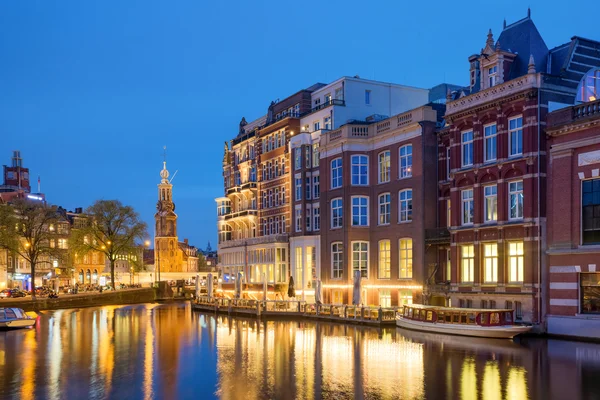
164, 174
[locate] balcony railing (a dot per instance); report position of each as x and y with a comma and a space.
243, 213
332, 102
586, 110
437, 236
282, 238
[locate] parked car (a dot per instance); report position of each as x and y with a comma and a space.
5, 293
18, 293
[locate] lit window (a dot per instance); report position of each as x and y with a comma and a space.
467, 207
467, 148
405, 161
515, 191
337, 260
515, 262
490, 212
384, 259
360, 170
336, 173
490, 260
384, 209
405, 297
385, 298
406, 258
468, 263
384, 167
405, 200
515, 136
336, 213
590, 209
327, 123
360, 211
315, 157
589, 86
489, 133
360, 258
448, 213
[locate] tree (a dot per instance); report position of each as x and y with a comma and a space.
202, 265
112, 229
26, 230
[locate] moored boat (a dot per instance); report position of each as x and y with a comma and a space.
488, 323
15, 318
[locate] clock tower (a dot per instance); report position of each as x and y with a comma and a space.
165, 238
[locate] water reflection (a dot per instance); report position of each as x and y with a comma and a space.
169, 352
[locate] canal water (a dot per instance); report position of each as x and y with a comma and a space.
153, 351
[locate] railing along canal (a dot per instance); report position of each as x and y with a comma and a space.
342, 312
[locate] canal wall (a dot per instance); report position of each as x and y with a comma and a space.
118, 297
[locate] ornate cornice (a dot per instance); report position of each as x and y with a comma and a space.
490, 98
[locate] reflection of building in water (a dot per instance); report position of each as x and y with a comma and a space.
301, 360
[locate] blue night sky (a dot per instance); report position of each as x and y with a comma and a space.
90, 91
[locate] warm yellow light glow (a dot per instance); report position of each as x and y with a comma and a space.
27, 244
492, 388
349, 286
592, 98
147, 243
103, 247
108, 242
468, 380
516, 386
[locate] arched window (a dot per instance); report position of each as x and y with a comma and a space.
88, 276
589, 86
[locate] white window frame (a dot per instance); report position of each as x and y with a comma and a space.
337, 222
467, 263
405, 171
406, 214
487, 198
316, 182
298, 158
316, 211
466, 144
464, 202
308, 218
360, 260
361, 208
298, 218
515, 192
384, 166
518, 257
490, 262
298, 187
336, 173
490, 135
516, 130
492, 75
337, 260
362, 161
384, 209
384, 259
405, 263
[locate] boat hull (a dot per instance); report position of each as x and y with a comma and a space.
17, 323
501, 332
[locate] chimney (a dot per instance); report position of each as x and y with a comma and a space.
185, 241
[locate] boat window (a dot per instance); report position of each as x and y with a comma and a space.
471, 318
405, 311
495, 318
448, 317
484, 318
429, 315
441, 317
18, 312
508, 317
9, 313
410, 313
463, 318
456, 318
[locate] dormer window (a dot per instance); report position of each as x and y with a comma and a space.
493, 75
589, 87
